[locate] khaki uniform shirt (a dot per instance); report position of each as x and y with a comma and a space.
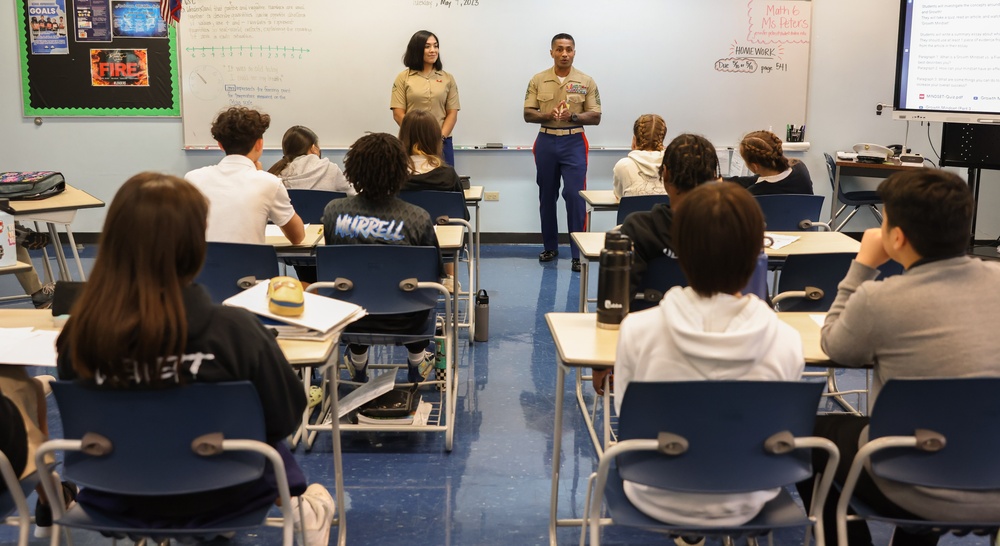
578, 90
436, 93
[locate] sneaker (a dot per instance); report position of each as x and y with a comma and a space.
315, 395
42, 299
29, 238
575, 265
358, 375
318, 510
452, 284
548, 255
43, 512
419, 373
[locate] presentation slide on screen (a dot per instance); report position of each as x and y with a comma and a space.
951, 49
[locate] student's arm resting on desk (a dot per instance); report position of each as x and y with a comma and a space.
294, 230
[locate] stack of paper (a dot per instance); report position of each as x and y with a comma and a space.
28, 347
323, 316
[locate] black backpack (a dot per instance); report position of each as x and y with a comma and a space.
31, 184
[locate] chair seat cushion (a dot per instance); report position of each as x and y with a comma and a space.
860, 197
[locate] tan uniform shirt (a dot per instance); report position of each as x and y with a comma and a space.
577, 89
436, 93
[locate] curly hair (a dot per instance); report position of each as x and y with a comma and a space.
763, 148
413, 58
377, 165
688, 161
239, 128
649, 131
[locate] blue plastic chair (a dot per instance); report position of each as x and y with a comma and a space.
449, 205
954, 446
637, 203
664, 273
808, 282
173, 441
14, 499
857, 199
704, 437
389, 280
792, 212
233, 267
309, 204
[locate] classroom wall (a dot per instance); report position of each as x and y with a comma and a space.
852, 67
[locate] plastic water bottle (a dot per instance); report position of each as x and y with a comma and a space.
613, 280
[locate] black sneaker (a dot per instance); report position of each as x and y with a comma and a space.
43, 512
576, 265
548, 255
43, 298
359, 374
29, 238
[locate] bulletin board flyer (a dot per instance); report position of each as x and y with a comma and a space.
47, 24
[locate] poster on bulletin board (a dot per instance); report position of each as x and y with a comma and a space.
112, 58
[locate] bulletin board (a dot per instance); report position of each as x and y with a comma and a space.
96, 58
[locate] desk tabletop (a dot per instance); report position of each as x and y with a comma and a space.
450, 237
474, 193
814, 242
579, 342
809, 329
274, 237
591, 243
604, 199
71, 199
857, 168
298, 352
16, 268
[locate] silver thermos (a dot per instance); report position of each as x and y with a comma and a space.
613, 280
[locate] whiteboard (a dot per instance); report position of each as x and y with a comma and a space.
715, 67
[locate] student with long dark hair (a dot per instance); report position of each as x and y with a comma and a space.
141, 322
303, 167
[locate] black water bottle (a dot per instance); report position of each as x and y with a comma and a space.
613, 280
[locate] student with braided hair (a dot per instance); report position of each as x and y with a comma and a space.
639, 173
688, 161
775, 173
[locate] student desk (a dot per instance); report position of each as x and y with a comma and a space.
599, 200
314, 236
863, 170
591, 243
16, 268
581, 344
58, 209
474, 196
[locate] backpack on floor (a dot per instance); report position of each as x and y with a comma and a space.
31, 184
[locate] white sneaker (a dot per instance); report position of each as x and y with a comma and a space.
451, 283
318, 510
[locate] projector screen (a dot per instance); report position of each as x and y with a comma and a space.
946, 61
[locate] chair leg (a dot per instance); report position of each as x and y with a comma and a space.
876, 212
848, 219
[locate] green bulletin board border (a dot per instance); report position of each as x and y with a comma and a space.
29, 111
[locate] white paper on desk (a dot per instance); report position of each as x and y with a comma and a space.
27, 347
779, 241
321, 313
818, 318
272, 230
737, 167
371, 390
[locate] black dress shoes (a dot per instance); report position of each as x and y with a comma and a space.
548, 255
576, 265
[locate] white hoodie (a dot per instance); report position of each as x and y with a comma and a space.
639, 173
690, 338
311, 172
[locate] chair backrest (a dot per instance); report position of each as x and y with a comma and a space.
227, 263
966, 411
725, 424
309, 204
823, 271
375, 273
151, 434
438, 203
635, 203
783, 212
663, 273
831, 171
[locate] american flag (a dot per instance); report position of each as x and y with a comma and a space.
170, 11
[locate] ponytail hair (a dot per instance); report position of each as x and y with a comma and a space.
764, 148
298, 140
649, 131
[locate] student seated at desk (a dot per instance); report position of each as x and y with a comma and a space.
303, 167
708, 331
762, 153
244, 197
377, 165
421, 137
936, 320
639, 173
141, 322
